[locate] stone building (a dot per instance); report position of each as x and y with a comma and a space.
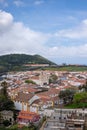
44, 78
7, 115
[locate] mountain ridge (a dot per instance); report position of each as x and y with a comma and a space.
11, 61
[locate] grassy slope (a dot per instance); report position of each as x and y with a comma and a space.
68, 68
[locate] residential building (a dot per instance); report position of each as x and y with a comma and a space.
24, 100
66, 119
26, 117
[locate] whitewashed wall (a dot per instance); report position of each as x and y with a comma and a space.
18, 105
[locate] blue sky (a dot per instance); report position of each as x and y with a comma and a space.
55, 29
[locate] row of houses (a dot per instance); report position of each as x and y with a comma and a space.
34, 98
33, 102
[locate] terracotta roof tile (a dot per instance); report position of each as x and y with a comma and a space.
25, 117
24, 97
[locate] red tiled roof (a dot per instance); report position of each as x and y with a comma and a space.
48, 93
24, 97
27, 112
31, 90
25, 117
35, 77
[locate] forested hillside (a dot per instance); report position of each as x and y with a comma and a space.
16, 61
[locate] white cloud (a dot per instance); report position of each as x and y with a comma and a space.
68, 51
78, 32
6, 19
84, 22
38, 2
17, 38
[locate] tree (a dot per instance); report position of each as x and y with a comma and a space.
6, 123
83, 87
53, 78
29, 81
32, 126
66, 95
4, 89
4, 83
0, 118
5, 102
9, 105
80, 97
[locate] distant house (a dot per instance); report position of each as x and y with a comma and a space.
41, 79
50, 97
26, 117
40, 104
37, 65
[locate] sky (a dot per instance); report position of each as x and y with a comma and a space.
55, 29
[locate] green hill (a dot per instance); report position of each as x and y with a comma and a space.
16, 61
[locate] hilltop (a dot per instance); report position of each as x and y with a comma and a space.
17, 61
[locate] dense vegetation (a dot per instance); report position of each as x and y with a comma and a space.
17, 61
79, 101
29, 81
67, 96
5, 102
72, 99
